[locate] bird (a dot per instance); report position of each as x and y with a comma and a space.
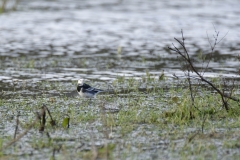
86, 91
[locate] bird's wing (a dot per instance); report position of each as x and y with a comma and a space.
93, 89
87, 87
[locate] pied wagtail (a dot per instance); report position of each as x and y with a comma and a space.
84, 90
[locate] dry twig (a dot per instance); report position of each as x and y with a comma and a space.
38, 117
185, 55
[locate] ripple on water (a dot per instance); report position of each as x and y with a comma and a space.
83, 38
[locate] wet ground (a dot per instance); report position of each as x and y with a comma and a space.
61, 41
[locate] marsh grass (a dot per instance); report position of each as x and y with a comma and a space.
6, 5
143, 118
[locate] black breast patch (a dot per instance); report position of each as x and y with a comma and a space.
79, 88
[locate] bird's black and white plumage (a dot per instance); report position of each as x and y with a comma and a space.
84, 90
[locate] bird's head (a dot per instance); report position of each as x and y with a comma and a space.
80, 82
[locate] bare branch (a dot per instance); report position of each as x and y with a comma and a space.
186, 57
222, 37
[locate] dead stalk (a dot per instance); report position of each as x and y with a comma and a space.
16, 128
185, 55
39, 116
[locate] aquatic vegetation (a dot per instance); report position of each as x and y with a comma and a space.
149, 114
199, 73
151, 110
4, 5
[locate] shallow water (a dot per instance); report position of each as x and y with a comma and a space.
45, 46
65, 40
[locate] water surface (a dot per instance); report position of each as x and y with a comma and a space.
65, 40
